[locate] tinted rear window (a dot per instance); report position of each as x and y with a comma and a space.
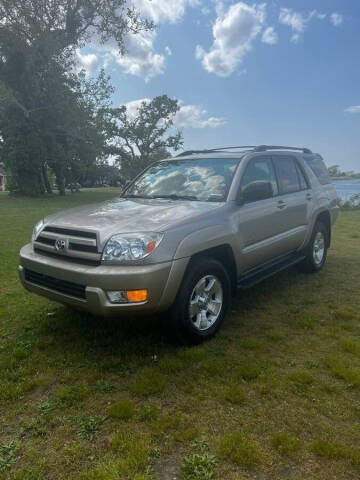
318, 167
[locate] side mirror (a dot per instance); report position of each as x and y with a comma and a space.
259, 190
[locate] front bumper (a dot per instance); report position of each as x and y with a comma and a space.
162, 281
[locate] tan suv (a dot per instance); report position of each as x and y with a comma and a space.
185, 234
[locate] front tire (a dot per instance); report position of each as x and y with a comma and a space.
202, 302
316, 251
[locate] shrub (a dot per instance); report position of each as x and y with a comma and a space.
122, 410
239, 449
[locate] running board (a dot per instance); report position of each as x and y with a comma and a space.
257, 274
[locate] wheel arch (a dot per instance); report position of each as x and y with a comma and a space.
225, 255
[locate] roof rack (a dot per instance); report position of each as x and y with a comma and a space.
256, 148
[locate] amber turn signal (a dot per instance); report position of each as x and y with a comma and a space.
137, 295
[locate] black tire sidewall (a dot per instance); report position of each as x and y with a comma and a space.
197, 270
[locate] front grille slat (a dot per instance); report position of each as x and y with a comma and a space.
46, 241
70, 232
81, 261
82, 248
62, 286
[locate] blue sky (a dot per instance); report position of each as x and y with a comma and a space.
280, 72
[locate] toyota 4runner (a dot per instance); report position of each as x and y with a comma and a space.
185, 234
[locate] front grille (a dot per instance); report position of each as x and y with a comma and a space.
79, 244
62, 286
70, 232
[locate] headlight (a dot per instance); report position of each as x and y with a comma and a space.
37, 229
130, 246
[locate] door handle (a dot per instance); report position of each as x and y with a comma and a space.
308, 196
281, 204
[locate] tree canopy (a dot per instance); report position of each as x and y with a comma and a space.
143, 137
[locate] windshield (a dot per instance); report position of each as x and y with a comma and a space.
207, 180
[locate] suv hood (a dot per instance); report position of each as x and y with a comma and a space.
124, 215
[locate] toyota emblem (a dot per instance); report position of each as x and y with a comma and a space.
60, 244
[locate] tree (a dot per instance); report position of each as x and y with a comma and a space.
46, 120
142, 138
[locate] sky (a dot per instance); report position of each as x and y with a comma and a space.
281, 72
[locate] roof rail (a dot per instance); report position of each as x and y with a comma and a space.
263, 148
256, 148
213, 150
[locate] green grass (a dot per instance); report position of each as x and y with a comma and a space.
274, 395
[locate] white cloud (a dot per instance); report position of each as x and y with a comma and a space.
189, 116
353, 109
168, 51
295, 20
140, 58
88, 62
194, 116
234, 32
298, 21
164, 10
269, 36
337, 19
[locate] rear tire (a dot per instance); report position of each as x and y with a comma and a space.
316, 251
202, 302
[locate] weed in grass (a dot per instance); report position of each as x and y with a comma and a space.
192, 355
248, 372
250, 344
307, 323
235, 394
135, 451
148, 382
8, 455
312, 364
104, 387
351, 345
239, 449
89, 426
213, 366
344, 315
45, 406
199, 467
284, 443
341, 369
71, 395
301, 378
275, 336
200, 444
327, 448
122, 410
165, 424
186, 433
170, 364
147, 413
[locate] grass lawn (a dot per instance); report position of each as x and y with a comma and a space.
276, 395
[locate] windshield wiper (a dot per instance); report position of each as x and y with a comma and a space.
176, 197
171, 197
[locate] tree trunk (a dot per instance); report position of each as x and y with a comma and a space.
60, 181
46, 180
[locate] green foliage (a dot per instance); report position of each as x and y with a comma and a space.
239, 449
122, 410
235, 394
90, 425
141, 138
148, 382
8, 455
284, 443
52, 118
199, 467
248, 372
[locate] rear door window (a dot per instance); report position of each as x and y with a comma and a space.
318, 166
287, 172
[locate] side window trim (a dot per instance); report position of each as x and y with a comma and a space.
306, 178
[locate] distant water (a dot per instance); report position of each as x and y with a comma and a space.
346, 188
